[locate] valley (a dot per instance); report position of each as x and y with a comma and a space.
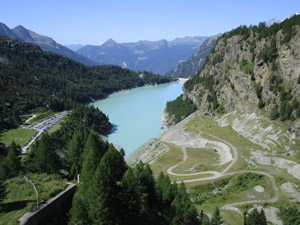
200, 130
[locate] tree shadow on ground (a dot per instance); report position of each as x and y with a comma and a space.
12, 206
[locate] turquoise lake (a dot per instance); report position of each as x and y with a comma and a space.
136, 113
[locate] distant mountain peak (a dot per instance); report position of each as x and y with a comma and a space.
109, 42
155, 56
46, 43
20, 27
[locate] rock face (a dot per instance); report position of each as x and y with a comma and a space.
166, 120
46, 43
294, 128
154, 56
195, 62
252, 71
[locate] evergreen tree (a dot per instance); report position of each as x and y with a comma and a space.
295, 103
2, 190
261, 103
75, 150
45, 159
216, 218
13, 161
93, 152
283, 111
262, 218
274, 113
104, 201
205, 220
288, 111
130, 200
4, 171
256, 218
183, 210
298, 112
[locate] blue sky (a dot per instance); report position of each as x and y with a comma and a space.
93, 22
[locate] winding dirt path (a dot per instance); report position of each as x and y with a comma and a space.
216, 175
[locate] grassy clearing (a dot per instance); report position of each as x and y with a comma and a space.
19, 135
232, 218
170, 158
21, 196
208, 125
42, 115
199, 160
232, 189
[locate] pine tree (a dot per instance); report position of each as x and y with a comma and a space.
262, 217
274, 113
13, 161
93, 152
75, 150
104, 200
283, 111
261, 103
256, 218
216, 218
94, 149
4, 171
288, 111
295, 103
45, 159
130, 199
2, 190
298, 112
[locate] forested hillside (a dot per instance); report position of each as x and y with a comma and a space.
31, 78
45, 43
254, 69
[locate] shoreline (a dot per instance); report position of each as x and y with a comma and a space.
182, 80
166, 120
92, 100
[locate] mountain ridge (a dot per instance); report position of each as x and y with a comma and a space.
156, 56
46, 43
193, 64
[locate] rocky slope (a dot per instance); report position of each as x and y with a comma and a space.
195, 62
46, 43
155, 56
255, 69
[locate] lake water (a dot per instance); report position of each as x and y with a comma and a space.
137, 113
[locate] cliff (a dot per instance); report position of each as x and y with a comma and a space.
255, 69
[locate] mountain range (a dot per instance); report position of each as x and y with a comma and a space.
156, 56
46, 43
194, 63
74, 47
161, 57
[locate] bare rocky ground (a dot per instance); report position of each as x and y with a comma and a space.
275, 147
